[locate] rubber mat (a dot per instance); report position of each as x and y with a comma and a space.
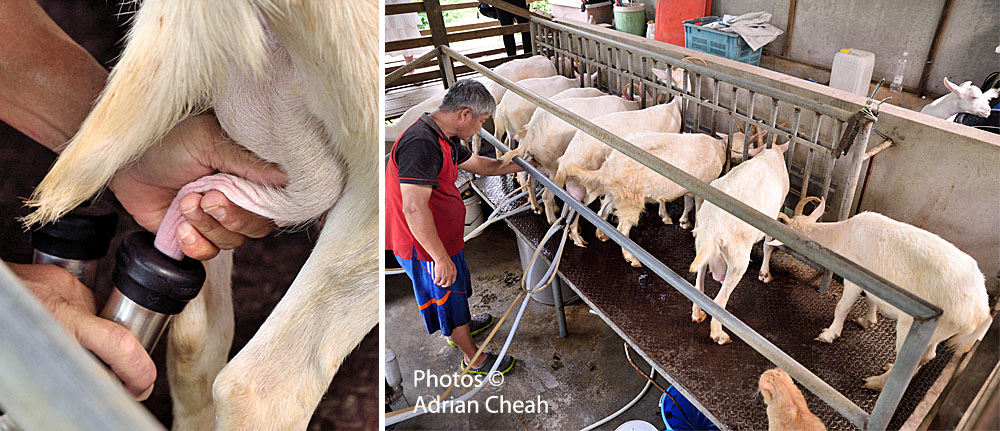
789, 311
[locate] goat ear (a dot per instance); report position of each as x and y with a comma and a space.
952, 87
660, 73
775, 243
991, 93
677, 77
818, 211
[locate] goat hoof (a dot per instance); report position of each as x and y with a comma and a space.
698, 317
580, 243
603, 237
827, 336
865, 323
721, 339
684, 224
765, 277
875, 382
667, 220
888, 367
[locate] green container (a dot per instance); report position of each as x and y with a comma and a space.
631, 19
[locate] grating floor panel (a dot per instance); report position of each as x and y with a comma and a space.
789, 312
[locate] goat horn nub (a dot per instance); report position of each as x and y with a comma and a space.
802, 204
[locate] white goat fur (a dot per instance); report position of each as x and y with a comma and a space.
589, 153
723, 241
630, 185
961, 98
913, 259
394, 130
296, 82
537, 66
514, 111
546, 136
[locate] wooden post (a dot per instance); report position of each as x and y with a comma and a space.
439, 34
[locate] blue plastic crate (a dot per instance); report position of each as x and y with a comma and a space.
720, 43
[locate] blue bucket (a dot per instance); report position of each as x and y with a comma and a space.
675, 420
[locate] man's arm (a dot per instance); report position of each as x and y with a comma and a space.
48, 83
486, 166
421, 223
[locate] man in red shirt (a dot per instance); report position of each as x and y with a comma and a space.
425, 216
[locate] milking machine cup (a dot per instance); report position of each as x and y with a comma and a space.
150, 288
77, 241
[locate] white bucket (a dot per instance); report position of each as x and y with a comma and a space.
473, 204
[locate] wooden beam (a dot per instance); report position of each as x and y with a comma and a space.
429, 76
401, 8
464, 27
399, 45
489, 32
464, 5
788, 26
400, 71
478, 54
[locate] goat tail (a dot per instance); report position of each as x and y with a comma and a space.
517, 152
963, 342
499, 125
590, 179
174, 60
706, 250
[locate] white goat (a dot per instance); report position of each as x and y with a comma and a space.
394, 130
297, 83
911, 258
589, 153
962, 98
537, 66
630, 185
723, 241
545, 137
513, 112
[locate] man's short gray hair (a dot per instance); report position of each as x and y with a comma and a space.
471, 94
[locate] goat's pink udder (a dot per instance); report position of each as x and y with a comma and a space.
718, 268
575, 189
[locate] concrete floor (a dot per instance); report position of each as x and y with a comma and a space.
582, 378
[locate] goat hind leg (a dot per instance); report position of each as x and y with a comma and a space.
734, 272
765, 267
685, 221
871, 314
277, 380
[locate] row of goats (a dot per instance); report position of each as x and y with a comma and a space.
912, 258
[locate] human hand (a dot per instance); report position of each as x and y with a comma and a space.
444, 272
72, 304
196, 147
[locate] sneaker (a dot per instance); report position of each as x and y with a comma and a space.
478, 324
506, 364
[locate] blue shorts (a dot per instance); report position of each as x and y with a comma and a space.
442, 308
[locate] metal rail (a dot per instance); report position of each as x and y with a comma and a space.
47, 381
925, 314
632, 62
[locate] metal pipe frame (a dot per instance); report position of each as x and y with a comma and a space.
616, 73
925, 314
49, 382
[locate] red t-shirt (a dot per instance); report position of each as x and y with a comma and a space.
424, 155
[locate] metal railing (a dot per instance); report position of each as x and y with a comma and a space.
47, 381
925, 314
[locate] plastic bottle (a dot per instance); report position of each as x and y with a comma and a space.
897, 79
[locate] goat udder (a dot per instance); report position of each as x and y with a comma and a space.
241, 192
575, 189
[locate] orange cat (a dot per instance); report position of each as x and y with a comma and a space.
786, 407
